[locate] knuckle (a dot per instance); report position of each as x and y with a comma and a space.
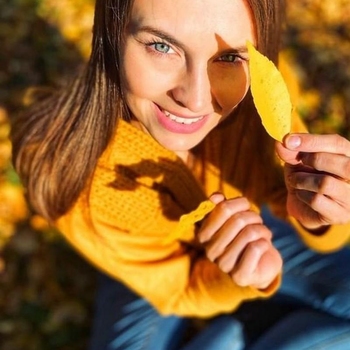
341, 142
251, 233
267, 232
317, 161
230, 207
226, 208
346, 169
316, 200
224, 265
259, 246
240, 279
245, 201
325, 184
239, 221
254, 233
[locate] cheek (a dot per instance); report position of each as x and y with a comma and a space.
142, 78
136, 79
137, 74
229, 89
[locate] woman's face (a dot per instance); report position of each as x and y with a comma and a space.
185, 66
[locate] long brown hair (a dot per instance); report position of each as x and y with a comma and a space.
57, 142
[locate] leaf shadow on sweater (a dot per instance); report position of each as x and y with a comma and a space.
178, 190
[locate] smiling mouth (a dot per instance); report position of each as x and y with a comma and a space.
179, 120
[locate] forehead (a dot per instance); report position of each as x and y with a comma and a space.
229, 20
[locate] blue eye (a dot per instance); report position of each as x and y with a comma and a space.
158, 46
161, 47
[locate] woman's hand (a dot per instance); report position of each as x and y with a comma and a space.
317, 175
236, 239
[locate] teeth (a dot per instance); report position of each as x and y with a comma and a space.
180, 120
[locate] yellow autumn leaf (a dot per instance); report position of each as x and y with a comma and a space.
183, 230
270, 94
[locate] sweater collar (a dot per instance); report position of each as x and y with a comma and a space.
137, 154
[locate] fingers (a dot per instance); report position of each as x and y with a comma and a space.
317, 173
334, 164
298, 147
235, 238
318, 143
217, 197
221, 213
326, 194
328, 211
321, 183
249, 262
267, 264
246, 239
288, 156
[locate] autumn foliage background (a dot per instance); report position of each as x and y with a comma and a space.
46, 290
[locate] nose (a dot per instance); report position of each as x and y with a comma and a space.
193, 89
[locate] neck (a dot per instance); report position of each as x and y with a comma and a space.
187, 157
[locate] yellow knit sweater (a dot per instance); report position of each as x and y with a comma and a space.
127, 224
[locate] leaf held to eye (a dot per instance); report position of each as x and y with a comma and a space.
270, 94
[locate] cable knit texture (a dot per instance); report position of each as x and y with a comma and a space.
126, 223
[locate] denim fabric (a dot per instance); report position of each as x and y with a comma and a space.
318, 286
125, 321
310, 311
320, 281
306, 330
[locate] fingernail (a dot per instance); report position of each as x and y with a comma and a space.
217, 197
293, 142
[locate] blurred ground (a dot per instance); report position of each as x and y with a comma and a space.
46, 290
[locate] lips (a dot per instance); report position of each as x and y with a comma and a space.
181, 120
177, 124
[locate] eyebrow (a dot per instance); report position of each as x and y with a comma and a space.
169, 38
159, 33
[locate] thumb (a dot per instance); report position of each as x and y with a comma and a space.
217, 197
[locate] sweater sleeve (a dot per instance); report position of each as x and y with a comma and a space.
335, 238
172, 276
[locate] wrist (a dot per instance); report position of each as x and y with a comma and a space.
316, 230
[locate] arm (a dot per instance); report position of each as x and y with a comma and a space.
172, 276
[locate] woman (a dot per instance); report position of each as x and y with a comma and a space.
162, 119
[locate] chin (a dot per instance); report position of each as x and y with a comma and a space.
178, 146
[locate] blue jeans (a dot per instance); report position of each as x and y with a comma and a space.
124, 321
310, 311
